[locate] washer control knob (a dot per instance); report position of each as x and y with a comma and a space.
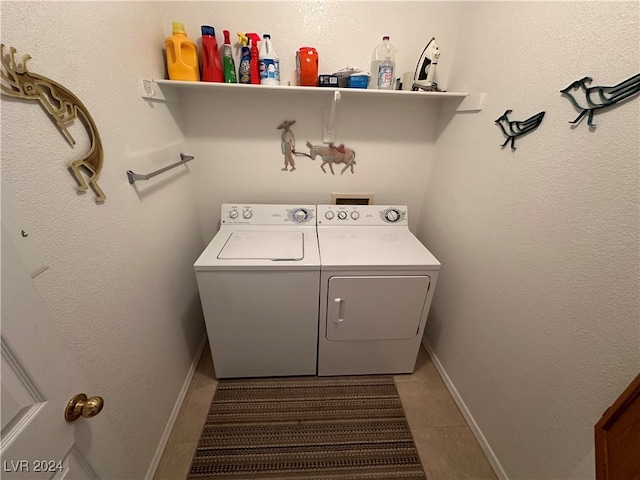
392, 215
233, 214
329, 215
300, 215
355, 215
247, 214
342, 215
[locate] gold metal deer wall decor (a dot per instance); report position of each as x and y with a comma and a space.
63, 107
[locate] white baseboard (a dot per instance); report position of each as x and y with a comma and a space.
486, 448
176, 409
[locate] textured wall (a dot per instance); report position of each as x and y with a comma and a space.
120, 285
235, 133
536, 317
343, 32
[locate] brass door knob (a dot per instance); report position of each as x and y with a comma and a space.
80, 405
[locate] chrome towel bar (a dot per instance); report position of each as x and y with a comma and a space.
136, 176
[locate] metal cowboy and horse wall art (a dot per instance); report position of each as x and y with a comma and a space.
329, 154
63, 107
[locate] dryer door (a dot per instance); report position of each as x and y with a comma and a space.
375, 307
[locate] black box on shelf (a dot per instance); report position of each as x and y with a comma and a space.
327, 81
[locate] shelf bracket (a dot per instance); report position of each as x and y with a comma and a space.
472, 103
150, 90
329, 134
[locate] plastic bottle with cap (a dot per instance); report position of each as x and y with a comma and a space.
244, 68
307, 67
269, 62
383, 57
182, 55
211, 63
254, 62
228, 62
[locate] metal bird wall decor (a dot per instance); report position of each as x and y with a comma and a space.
513, 129
63, 107
590, 99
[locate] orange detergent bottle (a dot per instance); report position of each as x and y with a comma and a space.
182, 55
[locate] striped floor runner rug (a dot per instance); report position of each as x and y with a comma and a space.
311, 428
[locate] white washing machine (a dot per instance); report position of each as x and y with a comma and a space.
376, 285
259, 285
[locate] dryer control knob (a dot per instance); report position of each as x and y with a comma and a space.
392, 215
329, 215
355, 215
247, 214
342, 215
233, 214
300, 215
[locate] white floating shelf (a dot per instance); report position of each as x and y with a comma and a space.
157, 89
150, 89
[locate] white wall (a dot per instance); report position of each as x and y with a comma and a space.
120, 285
234, 135
536, 316
344, 32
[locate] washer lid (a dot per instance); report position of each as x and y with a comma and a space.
266, 245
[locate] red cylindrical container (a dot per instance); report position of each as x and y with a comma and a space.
211, 63
307, 66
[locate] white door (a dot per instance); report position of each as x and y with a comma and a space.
375, 307
39, 377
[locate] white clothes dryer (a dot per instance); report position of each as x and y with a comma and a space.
259, 285
376, 285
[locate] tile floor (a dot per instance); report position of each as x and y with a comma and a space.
447, 447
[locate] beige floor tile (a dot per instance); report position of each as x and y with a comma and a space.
181, 445
428, 406
175, 463
425, 372
190, 421
421, 363
451, 453
204, 378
